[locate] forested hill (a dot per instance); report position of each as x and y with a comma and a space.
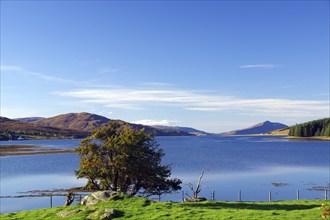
319, 127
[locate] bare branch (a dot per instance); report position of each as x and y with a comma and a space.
188, 195
198, 188
191, 186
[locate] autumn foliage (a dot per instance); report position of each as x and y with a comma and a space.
121, 158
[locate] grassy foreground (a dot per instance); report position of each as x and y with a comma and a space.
140, 208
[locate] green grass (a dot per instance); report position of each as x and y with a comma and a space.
140, 208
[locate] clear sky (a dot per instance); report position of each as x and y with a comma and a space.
212, 65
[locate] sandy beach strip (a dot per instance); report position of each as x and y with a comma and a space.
24, 150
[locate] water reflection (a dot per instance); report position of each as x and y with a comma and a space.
23, 185
249, 164
26, 183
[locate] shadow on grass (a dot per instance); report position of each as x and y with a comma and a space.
118, 214
251, 206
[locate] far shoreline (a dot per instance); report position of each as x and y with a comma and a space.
279, 136
316, 138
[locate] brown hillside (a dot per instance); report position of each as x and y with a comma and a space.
75, 121
282, 132
26, 128
87, 122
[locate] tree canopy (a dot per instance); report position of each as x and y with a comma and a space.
319, 127
120, 158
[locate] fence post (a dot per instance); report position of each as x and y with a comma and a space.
270, 196
213, 197
326, 195
240, 196
182, 196
51, 200
80, 199
298, 195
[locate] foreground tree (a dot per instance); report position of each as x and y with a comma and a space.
123, 159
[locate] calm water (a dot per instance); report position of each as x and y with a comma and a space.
249, 164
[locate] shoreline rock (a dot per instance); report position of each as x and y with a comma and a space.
97, 197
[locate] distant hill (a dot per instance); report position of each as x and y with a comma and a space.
87, 122
184, 129
76, 121
260, 128
28, 119
12, 129
71, 125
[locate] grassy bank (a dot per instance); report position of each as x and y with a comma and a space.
285, 132
141, 208
314, 138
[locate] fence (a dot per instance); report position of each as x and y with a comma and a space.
78, 197
239, 196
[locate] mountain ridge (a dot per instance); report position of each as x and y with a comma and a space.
184, 129
69, 125
87, 122
260, 128
81, 124
82, 121
11, 129
28, 119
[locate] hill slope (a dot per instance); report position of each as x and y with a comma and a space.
184, 129
11, 129
28, 119
76, 121
87, 122
125, 207
280, 132
260, 128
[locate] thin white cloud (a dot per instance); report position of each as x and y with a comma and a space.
109, 70
19, 70
91, 62
259, 66
156, 84
326, 94
149, 122
6, 68
199, 101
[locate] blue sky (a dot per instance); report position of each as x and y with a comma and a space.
212, 65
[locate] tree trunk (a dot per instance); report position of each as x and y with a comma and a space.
198, 188
115, 181
69, 199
